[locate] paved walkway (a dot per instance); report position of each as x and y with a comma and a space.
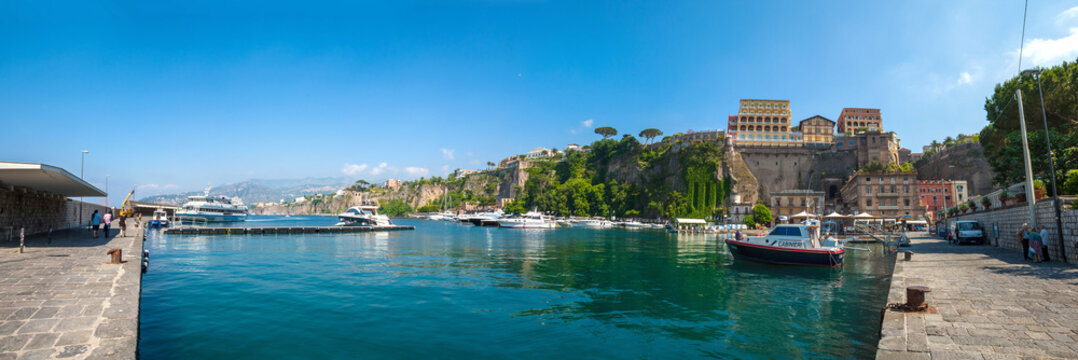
991, 305
61, 300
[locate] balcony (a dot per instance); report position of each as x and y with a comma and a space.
887, 194
887, 207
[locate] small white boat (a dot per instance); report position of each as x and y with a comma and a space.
363, 215
592, 223
634, 225
530, 220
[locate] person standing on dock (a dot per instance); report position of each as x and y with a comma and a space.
107, 222
95, 222
123, 225
1035, 245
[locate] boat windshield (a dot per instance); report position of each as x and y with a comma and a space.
786, 231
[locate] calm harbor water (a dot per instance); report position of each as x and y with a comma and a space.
449, 290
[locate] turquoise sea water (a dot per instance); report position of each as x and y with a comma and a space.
450, 290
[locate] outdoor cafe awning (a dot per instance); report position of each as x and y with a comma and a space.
802, 214
690, 221
45, 178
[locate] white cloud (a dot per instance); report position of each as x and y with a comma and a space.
964, 78
1049, 52
445, 169
148, 186
447, 154
1067, 15
416, 171
353, 169
587, 123
169, 186
382, 167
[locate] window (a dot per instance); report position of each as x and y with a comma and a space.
868, 202
907, 201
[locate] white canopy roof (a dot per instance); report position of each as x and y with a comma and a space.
45, 178
803, 215
690, 221
835, 215
864, 215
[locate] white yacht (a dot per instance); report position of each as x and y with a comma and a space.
363, 215
205, 208
530, 220
592, 223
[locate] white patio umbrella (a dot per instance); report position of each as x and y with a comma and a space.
864, 216
802, 215
835, 215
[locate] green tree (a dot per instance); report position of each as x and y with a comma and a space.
748, 221
514, 207
396, 207
606, 131
1070, 184
761, 214
650, 133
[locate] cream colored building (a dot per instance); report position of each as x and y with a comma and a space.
763, 123
817, 130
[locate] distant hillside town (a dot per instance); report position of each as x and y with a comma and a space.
851, 165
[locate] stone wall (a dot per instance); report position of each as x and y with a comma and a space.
38, 212
1010, 219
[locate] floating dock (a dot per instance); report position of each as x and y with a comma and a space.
199, 230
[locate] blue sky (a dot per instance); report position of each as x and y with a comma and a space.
175, 96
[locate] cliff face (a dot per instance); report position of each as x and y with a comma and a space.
413, 194
746, 186
959, 162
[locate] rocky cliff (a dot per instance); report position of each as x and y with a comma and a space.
959, 162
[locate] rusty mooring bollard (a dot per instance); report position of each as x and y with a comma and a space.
909, 255
915, 297
117, 256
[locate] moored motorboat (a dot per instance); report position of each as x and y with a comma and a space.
530, 220
788, 245
159, 220
591, 223
363, 215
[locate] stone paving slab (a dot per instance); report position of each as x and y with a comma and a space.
61, 300
990, 304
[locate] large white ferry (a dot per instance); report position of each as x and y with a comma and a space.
205, 208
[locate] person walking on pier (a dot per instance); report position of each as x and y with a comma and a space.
1024, 235
95, 222
107, 222
123, 225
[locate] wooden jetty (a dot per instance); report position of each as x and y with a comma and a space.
202, 230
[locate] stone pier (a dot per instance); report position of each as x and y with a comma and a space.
988, 303
61, 299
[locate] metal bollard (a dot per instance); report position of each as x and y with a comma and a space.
915, 297
22, 239
117, 255
909, 255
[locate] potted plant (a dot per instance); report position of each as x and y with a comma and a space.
972, 205
1038, 189
986, 202
1005, 198
964, 207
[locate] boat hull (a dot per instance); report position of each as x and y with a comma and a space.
516, 225
783, 256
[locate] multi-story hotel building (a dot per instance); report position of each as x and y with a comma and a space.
790, 202
852, 119
817, 130
941, 194
763, 122
891, 195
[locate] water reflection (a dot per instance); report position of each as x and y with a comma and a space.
612, 293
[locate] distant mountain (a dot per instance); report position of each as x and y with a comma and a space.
261, 190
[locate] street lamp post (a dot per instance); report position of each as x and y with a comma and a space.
107, 190
1051, 164
82, 172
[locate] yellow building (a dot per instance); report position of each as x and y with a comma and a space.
817, 130
763, 123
